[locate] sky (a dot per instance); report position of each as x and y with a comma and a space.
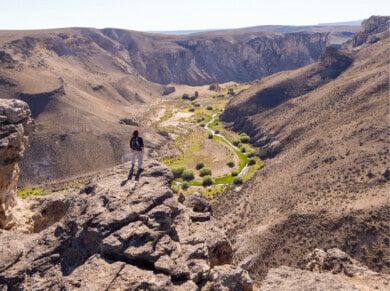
173, 15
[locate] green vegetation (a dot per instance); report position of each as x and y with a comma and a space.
187, 175
28, 192
251, 162
175, 188
205, 172
230, 164
177, 172
199, 165
207, 181
244, 138
238, 181
192, 145
185, 186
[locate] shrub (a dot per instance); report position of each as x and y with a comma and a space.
187, 175
185, 186
243, 150
251, 155
214, 87
205, 172
244, 138
251, 162
230, 164
177, 172
185, 96
216, 131
235, 142
191, 110
175, 189
238, 181
209, 108
207, 181
234, 173
199, 165
210, 136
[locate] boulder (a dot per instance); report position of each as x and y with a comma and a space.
197, 202
16, 128
229, 277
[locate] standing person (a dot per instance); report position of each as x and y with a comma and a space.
137, 148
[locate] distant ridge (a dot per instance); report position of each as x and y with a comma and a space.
275, 28
183, 32
346, 23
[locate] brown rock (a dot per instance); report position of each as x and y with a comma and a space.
197, 203
228, 277
116, 236
15, 130
287, 278
220, 253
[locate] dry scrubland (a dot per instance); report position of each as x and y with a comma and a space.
328, 185
322, 130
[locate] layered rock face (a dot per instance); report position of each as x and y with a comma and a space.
371, 26
123, 231
16, 128
239, 56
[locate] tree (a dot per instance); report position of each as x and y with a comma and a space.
207, 181
230, 164
185, 186
238, 181
177, 172
199, 165
187, 175
205, 172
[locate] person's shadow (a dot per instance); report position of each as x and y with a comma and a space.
130, 176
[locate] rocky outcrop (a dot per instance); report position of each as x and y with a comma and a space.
123, 231
335, 261
371, 27
16, 128
200, 59
291, 279
326, 270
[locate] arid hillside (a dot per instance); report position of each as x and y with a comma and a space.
88, 89
240, 55
323, 131
85, 100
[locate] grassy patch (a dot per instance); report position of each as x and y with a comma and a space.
29, 192
190, 140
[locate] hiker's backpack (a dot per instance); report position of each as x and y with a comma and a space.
134, 144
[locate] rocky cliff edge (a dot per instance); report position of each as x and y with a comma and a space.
16, 128
125, 230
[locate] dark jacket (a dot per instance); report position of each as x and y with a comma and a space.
136, 143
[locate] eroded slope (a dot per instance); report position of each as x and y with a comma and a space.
326, 180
